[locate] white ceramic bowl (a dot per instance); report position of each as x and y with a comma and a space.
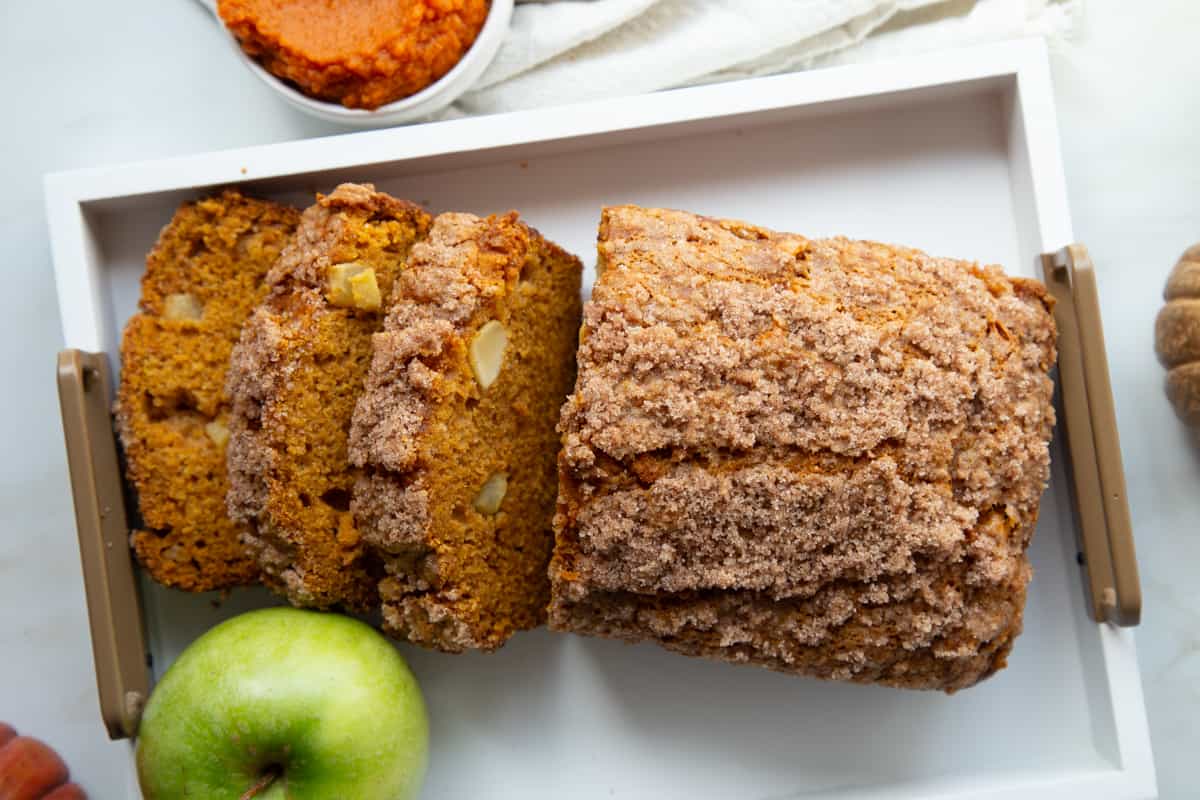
434, 97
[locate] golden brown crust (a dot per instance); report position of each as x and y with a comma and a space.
215, 251
430, 436
821, 456
294, 378
360, 54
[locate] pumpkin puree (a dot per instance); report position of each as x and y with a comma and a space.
360, 53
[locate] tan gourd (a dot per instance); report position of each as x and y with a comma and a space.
1177, 337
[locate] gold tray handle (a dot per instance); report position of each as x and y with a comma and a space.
114, 612
1090, 420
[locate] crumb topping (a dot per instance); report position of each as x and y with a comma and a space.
782, 418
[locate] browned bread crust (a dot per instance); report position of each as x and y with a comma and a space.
171, 405
820, 456
462, 574
294, 378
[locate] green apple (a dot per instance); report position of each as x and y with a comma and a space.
284, 703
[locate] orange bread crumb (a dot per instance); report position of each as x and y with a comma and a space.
202, 279
458, 439
294, 378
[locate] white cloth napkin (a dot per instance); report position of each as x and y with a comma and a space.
572, 50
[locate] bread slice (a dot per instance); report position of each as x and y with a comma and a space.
202, 279
294, 378
821, 456
456, 431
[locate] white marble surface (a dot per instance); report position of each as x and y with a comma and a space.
149, 78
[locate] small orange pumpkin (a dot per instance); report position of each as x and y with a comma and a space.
1177, 337
31, 770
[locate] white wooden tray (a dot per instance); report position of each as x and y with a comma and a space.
955, 153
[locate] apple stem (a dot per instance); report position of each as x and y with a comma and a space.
258, 788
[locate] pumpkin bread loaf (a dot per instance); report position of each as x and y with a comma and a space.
455, 431
294, 378
821, 456
202, 279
